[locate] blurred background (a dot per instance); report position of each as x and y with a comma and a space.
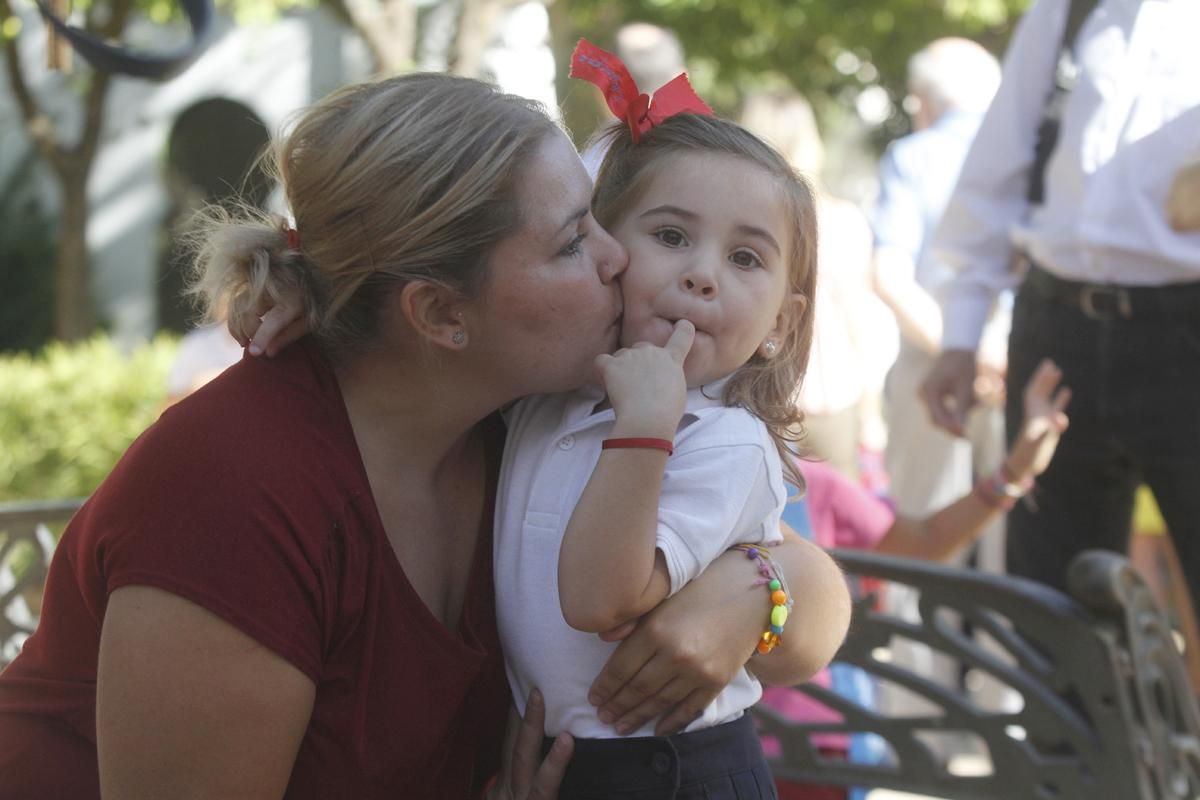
98, 174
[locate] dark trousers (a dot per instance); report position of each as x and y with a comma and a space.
1132, 360
724, 762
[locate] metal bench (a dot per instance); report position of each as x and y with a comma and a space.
1107, 713
26, 545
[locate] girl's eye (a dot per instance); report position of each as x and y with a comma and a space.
746, 259
671, 237
575, 247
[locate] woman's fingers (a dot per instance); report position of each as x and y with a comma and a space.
640, 698
684, 711
531, 780
527, 747
621, 666
550, 774
653, 706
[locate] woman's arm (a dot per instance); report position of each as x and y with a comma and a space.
188, 706
675, 660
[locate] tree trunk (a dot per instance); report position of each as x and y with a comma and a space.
74, 316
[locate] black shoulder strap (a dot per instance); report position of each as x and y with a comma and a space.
105, 57
1066, 74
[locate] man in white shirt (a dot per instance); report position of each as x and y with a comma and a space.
951, 82
1113, 291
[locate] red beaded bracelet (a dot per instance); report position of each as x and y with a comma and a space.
638, 443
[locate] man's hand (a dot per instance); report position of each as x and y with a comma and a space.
949, 390
1183, 200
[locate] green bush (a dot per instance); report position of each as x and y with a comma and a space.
68, 412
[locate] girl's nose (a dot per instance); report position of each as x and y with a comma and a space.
699, 281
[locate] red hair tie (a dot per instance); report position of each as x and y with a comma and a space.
640, 111
293, 239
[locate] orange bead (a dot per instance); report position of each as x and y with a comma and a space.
764, 648
778, 597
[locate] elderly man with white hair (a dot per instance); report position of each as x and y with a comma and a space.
951, 82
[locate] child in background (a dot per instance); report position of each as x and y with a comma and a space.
842, 514
613, 497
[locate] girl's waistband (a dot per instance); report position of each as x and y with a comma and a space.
662, 763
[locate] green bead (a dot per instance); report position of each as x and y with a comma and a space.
774, 584
779, 616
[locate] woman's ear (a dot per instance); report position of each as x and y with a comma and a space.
435, 313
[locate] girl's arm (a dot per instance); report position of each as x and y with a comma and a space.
609, 570
939, 535
189, 706
677, 658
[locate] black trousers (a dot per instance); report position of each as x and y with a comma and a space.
1132, 360
721, 763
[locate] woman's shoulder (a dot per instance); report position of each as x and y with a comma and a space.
266, 445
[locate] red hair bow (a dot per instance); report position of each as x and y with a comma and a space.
641, 111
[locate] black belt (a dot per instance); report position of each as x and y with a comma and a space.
1104, 301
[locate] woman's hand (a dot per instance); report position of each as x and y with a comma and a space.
676, 659
269, 328
1044, 423
524, 778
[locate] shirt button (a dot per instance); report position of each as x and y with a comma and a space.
661, 763
566, 442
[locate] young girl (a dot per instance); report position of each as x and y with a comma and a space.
615, 496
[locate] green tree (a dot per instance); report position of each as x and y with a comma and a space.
69, 155
391, 29
824, 48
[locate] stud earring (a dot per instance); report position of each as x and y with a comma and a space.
459, 337
769, 347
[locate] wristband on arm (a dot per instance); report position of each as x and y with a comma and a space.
638, 443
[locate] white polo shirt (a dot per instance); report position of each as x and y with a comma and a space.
722, 486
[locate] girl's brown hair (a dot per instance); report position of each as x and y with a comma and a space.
392, 181
766, 387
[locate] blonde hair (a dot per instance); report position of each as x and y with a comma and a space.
766, 387
410, 178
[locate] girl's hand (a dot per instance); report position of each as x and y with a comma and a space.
269, 328
524, 778
646, 384
1044, 423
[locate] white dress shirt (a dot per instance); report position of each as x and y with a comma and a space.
722, 486
1131, 122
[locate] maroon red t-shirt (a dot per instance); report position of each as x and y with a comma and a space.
249, 498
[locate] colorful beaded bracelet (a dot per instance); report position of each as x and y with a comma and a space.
781, 599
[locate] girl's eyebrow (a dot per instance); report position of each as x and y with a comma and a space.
745, 230
759, 233
669, 209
